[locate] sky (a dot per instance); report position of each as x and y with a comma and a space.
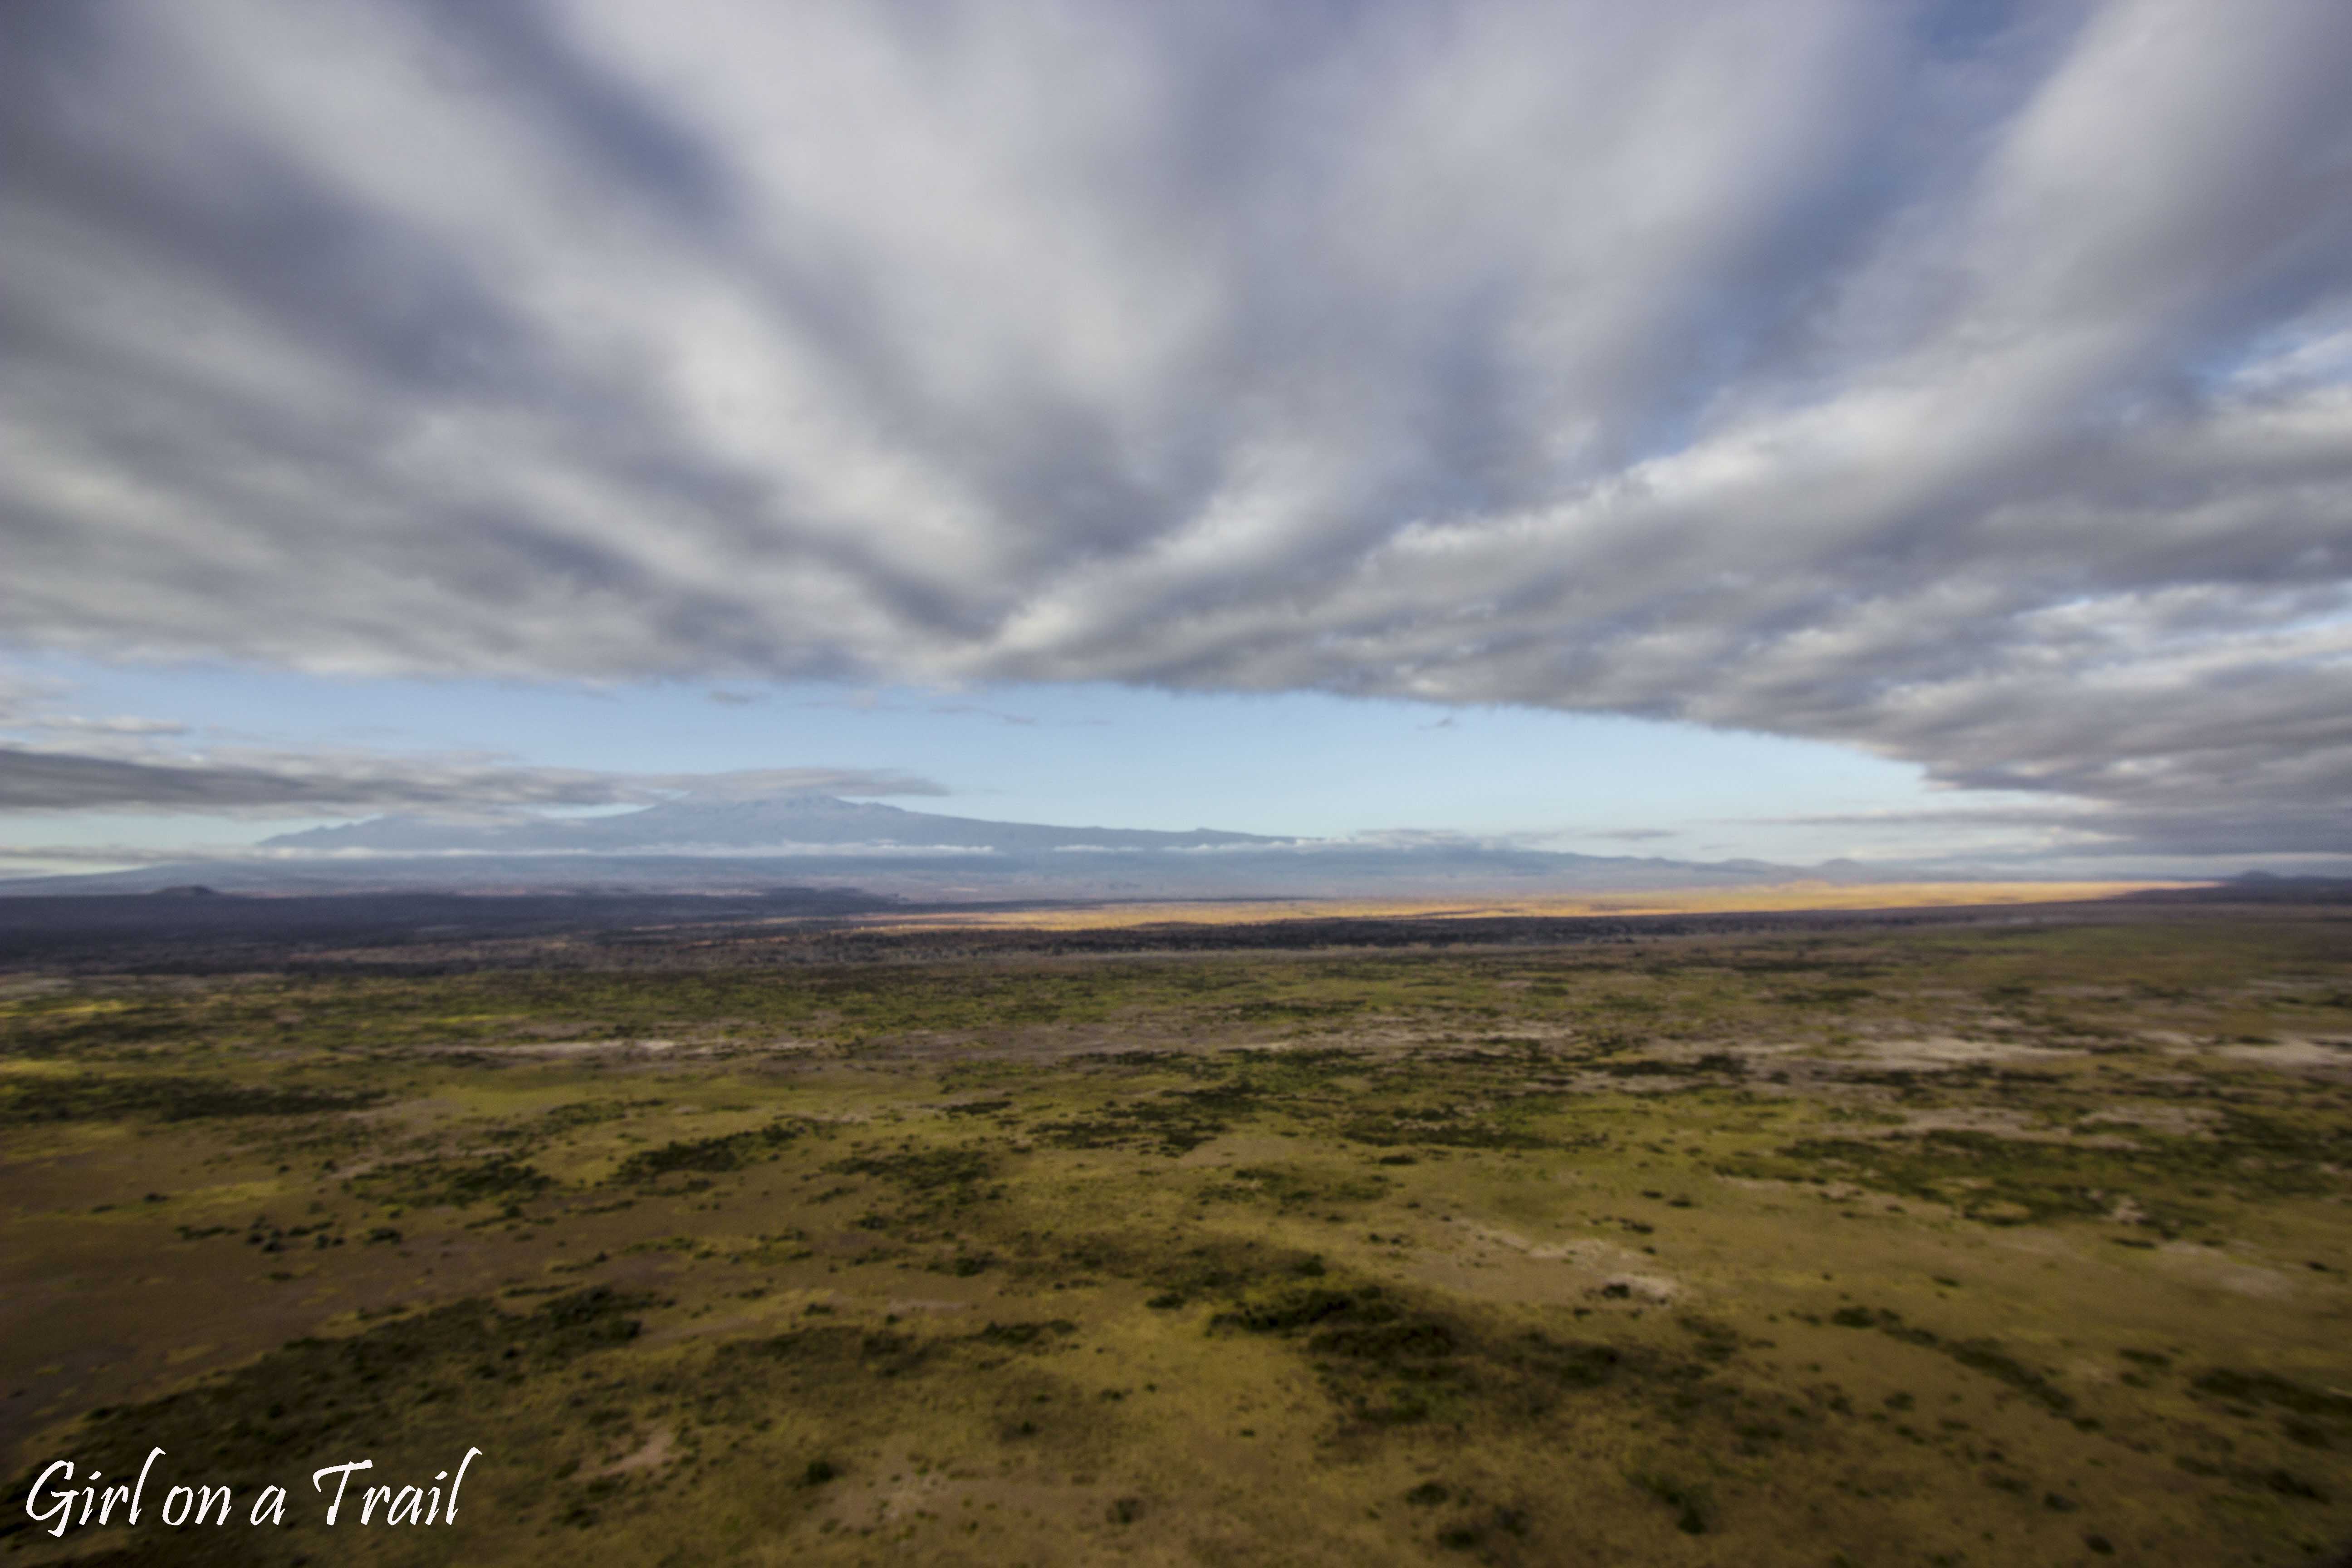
1910, 431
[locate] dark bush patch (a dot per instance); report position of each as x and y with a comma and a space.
1981, 1355
317, 1396
1645, 1066
597, 1308
1173, 1123
1291, 1188
1449, 1129
580, 1113
1716, 1343
1572, 1364
923, 1170
98, 1096
1388, 1360
1381, 1360
2287, 1484
729, 1152
434, 1184
1713, 1064
2010, 1181
825, 1354
1824, 997
2319, 1414
1299, 1308
1025, 1336
1693, 1502
1222, 1267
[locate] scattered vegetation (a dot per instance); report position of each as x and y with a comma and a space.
1794, 1246
729, 1152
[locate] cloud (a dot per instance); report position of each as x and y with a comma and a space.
973, 710
257, 782
71, 723
65, 858
762, 784
1971, 384
24, 698
869, 702
2093, 830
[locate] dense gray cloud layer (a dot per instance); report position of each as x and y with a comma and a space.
277, 784
1969, 383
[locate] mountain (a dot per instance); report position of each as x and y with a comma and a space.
740, 847
768, 825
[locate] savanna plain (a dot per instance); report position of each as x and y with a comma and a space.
1984, 1238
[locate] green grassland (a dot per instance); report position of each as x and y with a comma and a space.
1985, 1242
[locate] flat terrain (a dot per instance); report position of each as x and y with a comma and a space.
1992, 1238
195, 929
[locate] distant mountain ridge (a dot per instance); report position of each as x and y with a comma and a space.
692, 823
724, 846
